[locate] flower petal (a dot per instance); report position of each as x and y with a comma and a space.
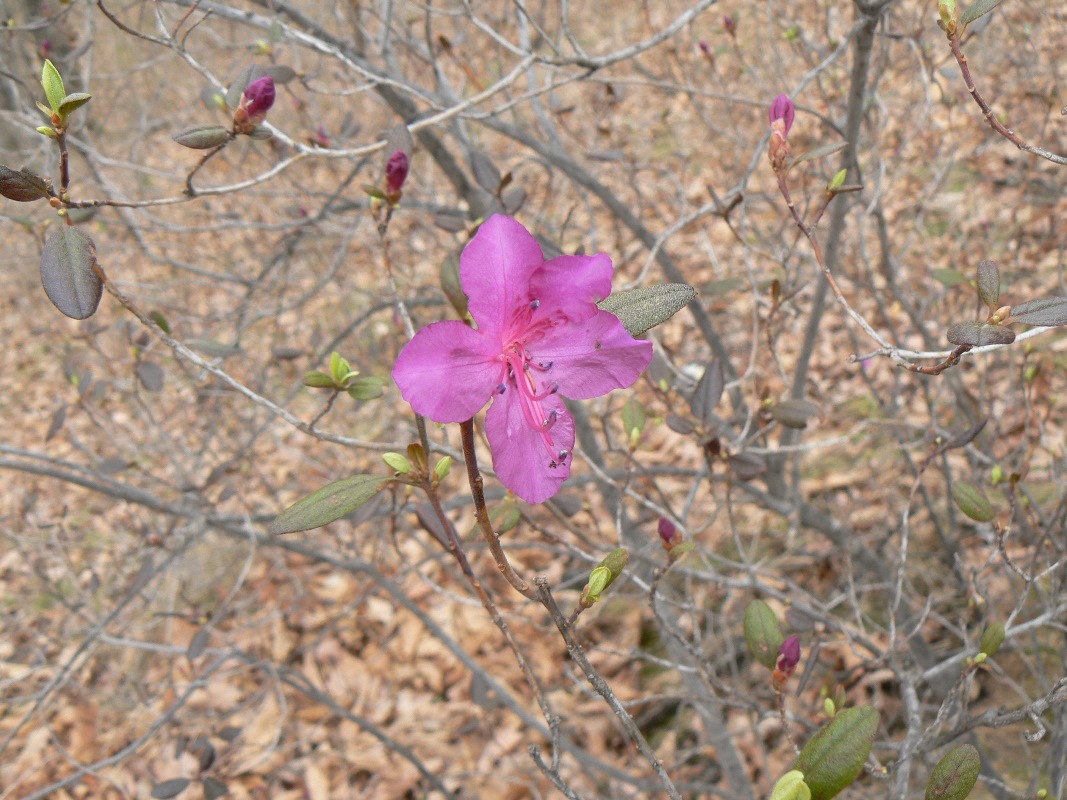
522, 460
571, 286
591, 359
495, 270
448, 371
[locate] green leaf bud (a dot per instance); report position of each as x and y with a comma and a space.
397, 462
791, 786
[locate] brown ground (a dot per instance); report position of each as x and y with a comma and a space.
149, 620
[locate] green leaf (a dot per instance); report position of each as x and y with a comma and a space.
72, 102
791, 786
451, 286
53, 85
955, 774
978, 8
978, 333
646, 307
213, 348
22, 186
988, 282
1051, 311
319, 380
819, 152
605, 574
706, 395
47, 131
368, 387
972, 501
158, 318
633, 417
328, 504
67, 272
170, 788
794, 413
202, 137
992, 639
948, 277
834, 756
398, 462
762, 633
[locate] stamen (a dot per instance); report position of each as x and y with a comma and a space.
563, 454
534, 305
548, 423
544, 366
501, 388
552, 389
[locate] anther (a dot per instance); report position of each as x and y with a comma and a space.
501, 388
548, 423
534, 305
563, 454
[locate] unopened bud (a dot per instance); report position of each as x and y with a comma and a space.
256, 101
396, 172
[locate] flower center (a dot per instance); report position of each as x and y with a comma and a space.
520, 372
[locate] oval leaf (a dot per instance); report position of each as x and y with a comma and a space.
328, 504
707, 394
794, 413
214, 788
818, 152
22, 186
955, 774
988, 280
834, 756
979, 333
1049, 311
762, 633
52, 84
151, 375
992, 639
170, 788
972, 501
73, 101
485, 171
965, 438
237, 88
746, 466
202, 137
279, 73
67, 273
648, 306
978, 9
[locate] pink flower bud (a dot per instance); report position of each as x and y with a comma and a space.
782, 109
729, 25
666, 529
704, 47
258, 98
788, 656
396, 172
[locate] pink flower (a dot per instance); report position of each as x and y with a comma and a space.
782, 109
396, 172
540, 335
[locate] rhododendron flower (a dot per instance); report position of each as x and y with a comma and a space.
540, 335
